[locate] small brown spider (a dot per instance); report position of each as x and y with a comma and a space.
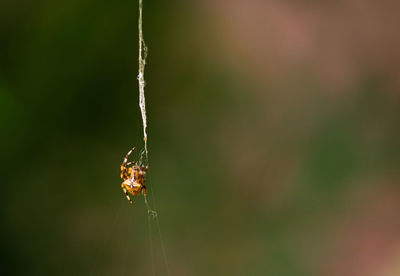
134, 177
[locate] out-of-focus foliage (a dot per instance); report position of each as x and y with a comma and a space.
273, 137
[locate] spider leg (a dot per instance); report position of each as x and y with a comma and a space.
124, 174
127, 155
126, 193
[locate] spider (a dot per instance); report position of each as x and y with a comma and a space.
134, 177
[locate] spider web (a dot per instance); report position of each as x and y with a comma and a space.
142, 64
144, 158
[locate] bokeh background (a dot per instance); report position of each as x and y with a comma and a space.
274, 137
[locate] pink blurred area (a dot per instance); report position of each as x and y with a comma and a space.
335, 41
366, 240
335, 44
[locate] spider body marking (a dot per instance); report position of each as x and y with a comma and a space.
134, 177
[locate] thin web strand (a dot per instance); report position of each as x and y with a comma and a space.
150, 233
151, 214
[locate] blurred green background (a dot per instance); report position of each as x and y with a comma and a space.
274, 137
